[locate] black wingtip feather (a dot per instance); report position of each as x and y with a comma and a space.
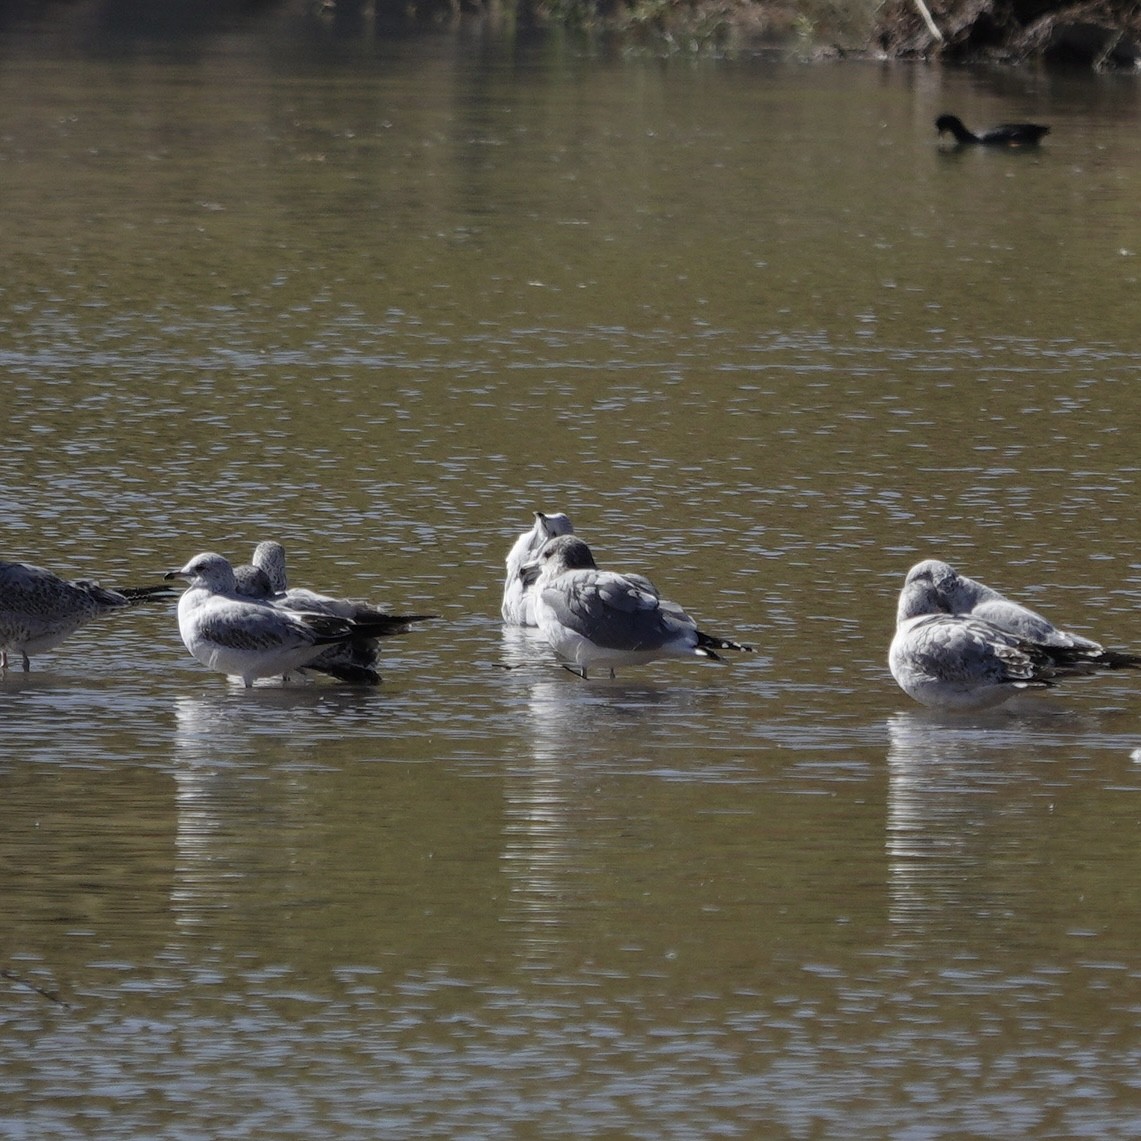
709, 642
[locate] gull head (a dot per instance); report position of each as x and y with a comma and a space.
208, 570
934, 572
552, 526
558, 555
252, 582
923, 590
943, 588
269, 556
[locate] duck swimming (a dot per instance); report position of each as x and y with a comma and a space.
1004, 135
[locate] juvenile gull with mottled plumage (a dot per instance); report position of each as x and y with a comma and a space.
961, 646
957, 594
39, 609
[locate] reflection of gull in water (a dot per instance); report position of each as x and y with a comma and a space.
950, 822
595, 617
242, 636
544, 856
354, 661
961, 661
524, 646
939, 801
557, 830
927, 843
220, 834
549, 855
518, 596
202, 772
39, 609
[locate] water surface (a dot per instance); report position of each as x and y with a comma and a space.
766, 342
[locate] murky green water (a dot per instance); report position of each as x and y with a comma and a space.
765, 341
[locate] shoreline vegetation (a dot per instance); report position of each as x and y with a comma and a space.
1099, 34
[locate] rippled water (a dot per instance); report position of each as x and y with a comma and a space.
765, 341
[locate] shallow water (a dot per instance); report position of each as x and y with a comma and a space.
766, 342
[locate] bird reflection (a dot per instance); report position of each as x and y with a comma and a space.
553, 852
954, 795
544, 852
525, 648
205, 799
224, 807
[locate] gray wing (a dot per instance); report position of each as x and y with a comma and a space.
1028, 624
971, 652
300, 599
368, 620
262, 627
612, 610
962, 595
644, 584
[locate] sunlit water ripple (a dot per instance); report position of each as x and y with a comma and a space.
384, 308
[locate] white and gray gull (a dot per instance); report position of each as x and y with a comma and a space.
957, 594
39, 609
247, 637
593, 617
961, 646
518, 607
265, 578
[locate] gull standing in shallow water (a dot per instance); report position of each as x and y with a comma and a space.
269, 557
518, 608
961, 646
593, 617
39, 609
245, 637
265, 578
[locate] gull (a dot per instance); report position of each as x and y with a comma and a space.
954, 593
593, 617
246, 637
961, 661
518, 607
269, 557
39, 609
265, 578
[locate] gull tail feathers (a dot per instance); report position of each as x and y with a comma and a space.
707, 643
386, 625
1118, 660
1079, 661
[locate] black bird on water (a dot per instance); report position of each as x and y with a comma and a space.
1004, 135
